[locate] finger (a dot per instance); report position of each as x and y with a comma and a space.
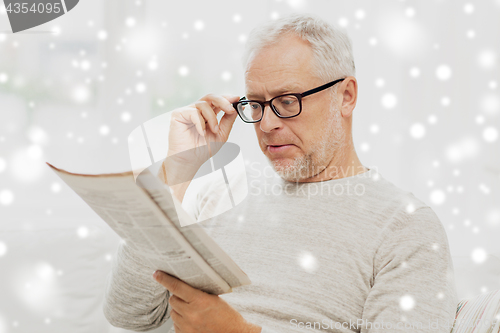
176, 286
175, 315
231, 99
226, 123
178, 320
191, 115
208, 113
196, 118
178, 304
223, 102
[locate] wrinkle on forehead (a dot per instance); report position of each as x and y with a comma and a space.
283, 67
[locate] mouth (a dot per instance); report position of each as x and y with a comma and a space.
274, 149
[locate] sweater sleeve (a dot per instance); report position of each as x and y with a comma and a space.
133, 300
413, 281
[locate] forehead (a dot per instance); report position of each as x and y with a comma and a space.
280, 68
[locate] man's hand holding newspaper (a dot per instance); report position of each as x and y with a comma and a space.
193, 310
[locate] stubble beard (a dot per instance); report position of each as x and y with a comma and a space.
330, 146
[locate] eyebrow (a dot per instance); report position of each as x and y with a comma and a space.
277, 92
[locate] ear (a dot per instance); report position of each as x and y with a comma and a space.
348, 91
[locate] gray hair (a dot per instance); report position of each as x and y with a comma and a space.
331, 46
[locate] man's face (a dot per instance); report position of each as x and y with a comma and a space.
310, 140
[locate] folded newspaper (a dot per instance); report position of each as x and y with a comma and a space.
145, 214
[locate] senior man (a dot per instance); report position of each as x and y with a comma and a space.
360, 255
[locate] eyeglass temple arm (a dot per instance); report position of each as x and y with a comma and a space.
307, 93
315, 90
241, 99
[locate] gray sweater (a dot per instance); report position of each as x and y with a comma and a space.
356, 254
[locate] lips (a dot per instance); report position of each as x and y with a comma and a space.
279, 148
279, 145
276, 144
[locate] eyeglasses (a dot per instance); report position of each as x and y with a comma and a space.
284, 106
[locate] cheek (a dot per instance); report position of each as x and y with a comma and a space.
312, 126
323, 120
301, 133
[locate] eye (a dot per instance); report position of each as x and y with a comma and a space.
288, 100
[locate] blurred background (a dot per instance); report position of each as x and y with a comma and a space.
73, 89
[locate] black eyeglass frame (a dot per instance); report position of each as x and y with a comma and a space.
298, 96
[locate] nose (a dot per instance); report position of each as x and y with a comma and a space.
270, 121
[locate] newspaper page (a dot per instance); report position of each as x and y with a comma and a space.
195, 234
129, 210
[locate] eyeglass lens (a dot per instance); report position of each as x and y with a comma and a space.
286, 106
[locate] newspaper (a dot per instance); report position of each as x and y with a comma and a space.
146, 216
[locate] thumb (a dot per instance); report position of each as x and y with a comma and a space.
226, 123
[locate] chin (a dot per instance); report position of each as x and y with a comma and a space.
292, 169
282, 164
